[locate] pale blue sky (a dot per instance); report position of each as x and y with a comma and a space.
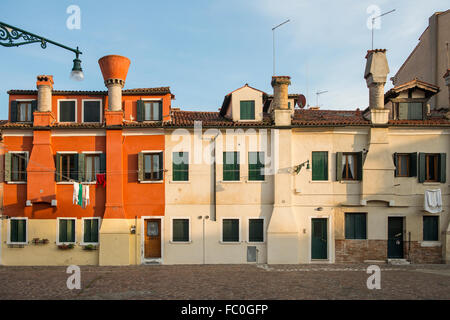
205, 49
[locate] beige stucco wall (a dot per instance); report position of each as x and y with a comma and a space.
428, 61
243, 94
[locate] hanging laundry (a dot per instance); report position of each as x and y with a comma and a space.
80, 196
86, 200
433, 201
76, 188
101, 179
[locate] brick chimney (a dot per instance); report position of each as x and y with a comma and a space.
44, 85
375, 74
281, 111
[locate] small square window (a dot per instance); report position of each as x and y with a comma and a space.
19, 166
17, 230
355, 226
152, 110
90, 230
66, 230
67, 110
152, 166
230, 230
92, 167
231, 167
247, 109
91, 111
24, 111
349, 166
410, 111
66, 167
180, 230
256, 230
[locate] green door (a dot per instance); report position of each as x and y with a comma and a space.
395, 237
319, 238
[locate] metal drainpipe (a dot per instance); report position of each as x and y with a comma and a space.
213, 214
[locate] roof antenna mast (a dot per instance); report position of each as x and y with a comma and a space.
373, 21
273, 38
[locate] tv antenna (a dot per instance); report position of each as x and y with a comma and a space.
317, 96
373, 21
273, 38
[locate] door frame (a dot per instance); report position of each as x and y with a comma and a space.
330, 235
403, 234
142, 248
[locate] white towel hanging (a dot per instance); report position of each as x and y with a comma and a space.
433, 201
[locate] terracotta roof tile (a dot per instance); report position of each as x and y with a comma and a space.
150, 91
311, 117
211, 119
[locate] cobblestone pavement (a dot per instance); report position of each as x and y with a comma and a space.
336, 281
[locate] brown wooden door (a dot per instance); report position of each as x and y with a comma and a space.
152, 238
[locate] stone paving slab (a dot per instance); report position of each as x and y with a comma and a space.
187, 282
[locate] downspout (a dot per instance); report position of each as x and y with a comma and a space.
213, 214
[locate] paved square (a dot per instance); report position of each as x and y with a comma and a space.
227, 282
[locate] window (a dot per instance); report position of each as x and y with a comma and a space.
92, 167
18, 231
22, 111
90, 230
149, 110
150, 166
256, 166
230, 230
410, 111
355, 226
67, 110
16, 166
430, 228
348, 166
92, 111
180, 166
432, 167
180, 230
319, 165
231, 167
247, 110
405, 164
66, 230
256, 230
66, 167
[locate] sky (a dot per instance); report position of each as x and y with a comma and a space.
205, 49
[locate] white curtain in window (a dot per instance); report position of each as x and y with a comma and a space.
351, 166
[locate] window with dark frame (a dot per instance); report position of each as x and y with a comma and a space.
152, 167
90, 231
256, 166
247, 110
403, 164
230, 230
91, 167
231, 166
256, 230
349, 166
431, 167
67, 230
180, 166
180, 230
18, 167
67, 111
68, 167
410, 111
17, 230
24, 111
430, 228
91, 111
356, 226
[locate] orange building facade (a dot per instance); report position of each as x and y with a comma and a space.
59, 141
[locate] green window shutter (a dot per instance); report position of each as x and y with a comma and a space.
359, 164
319, 165
338, 166
58, 167
33, 108
256, 230
442, 167
22, 232
87, 230
74, 174
160, 111
13, 111
8, 166
94, 230
161, 167
13, 230
81, 165
140, 166
395, 164
140, 110
230, 230
180, 231
62, 230
413, 164
247, 110
180, 166
256, 166
231, 171
430, 228
71, 230
103, 163
422, 167
356, 226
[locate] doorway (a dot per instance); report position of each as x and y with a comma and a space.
152, 239
319, 238
395, 237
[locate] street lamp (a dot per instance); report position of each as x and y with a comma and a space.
11, 36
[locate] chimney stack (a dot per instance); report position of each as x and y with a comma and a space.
114, 70
280, 108
44, 85
375, 74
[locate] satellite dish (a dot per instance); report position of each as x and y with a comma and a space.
301, 101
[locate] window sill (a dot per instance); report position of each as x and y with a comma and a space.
356, 239
159, 181
230, 242
180, 242
171, 181
72, 182
89, 243
319, 181
349, 181
431, 183
255, 242
16, 182
16, 243
230, 181
430, 244
65, 243
255, 181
